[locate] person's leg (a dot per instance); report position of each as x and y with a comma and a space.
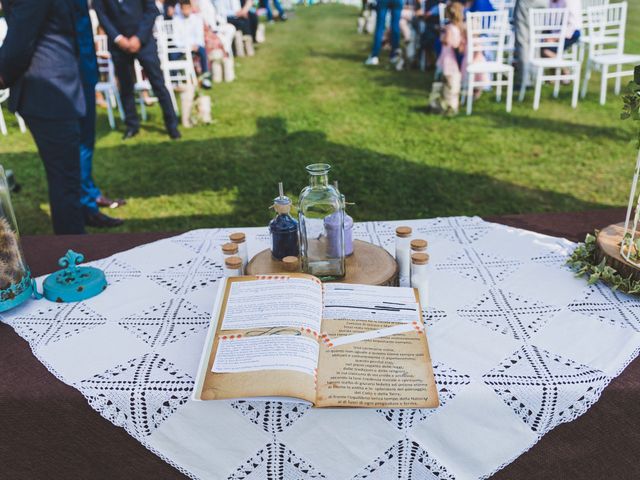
123, 65
396, 13
204, 60
148, 58
253, 22
267, 7
278, 5
381, 20
58, 143
87, 142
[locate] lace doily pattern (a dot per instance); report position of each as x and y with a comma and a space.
133, 352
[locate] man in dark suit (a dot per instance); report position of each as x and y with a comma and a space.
39, 63
129, 25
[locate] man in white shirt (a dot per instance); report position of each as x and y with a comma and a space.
239, 15
190, 33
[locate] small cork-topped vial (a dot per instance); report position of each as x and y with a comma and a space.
232, 267
420, 276
403, 253
291, 264
240, 239
418, 245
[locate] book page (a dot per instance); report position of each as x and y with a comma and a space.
374, 351
266, 339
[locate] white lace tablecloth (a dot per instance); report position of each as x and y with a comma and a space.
519, 346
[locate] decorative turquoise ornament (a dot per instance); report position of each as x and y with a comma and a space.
74, 283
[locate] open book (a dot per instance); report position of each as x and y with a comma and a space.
332, 345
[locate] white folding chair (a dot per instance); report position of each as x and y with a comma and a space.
4, 96
142, 85
486, 32
606, 47
510, 38
176, 61
583, 43
548, 30
107, 82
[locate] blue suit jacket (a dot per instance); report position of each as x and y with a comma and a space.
127, 17
39, 59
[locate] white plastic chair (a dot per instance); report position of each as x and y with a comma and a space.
486, 32
4, 96
606, 47
178, 70
548, 29
510, 38
107, 83
583, 43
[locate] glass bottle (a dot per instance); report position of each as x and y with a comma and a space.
15, 277
420, 276
283, 228
321, 218
403, 254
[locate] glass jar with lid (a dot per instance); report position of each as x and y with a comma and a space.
321, 221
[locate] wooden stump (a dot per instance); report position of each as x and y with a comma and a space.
609, 240
369, 265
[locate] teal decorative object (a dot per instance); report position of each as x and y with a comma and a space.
74, 283
16, 284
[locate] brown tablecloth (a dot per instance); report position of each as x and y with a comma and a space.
48, 431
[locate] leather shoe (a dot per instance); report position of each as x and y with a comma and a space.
174, 133
100, 220
103, 201
130, 133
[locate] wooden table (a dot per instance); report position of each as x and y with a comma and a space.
48, 431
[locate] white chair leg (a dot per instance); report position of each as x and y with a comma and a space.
587, 77
116, 95
469, 94
509, 90
21, 125
523, 84
556, 86
143, 108
112, 122
576, 87
3, 125
172, 94
603, 84
536, 96
618, 80
499, 77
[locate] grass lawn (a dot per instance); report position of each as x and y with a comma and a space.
306, 97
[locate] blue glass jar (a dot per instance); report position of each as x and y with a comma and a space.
283, 229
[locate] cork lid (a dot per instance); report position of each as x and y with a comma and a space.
403, 232
237, 237
290, 264
229, 248
418, 244
420, 258
233, 262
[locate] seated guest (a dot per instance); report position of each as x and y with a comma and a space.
239, 15
189, 29
574, 22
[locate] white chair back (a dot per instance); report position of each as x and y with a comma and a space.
486, 34
176, 60
607, 25
442, 18
586, 5
547, 29
508, 5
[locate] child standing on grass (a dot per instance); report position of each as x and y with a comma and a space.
449, 60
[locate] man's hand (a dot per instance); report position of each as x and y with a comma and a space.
134, 44
123, 43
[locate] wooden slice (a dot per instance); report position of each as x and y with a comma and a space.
369, 265
609, 240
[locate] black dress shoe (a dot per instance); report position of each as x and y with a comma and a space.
174, 133
130, 133
100, 220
